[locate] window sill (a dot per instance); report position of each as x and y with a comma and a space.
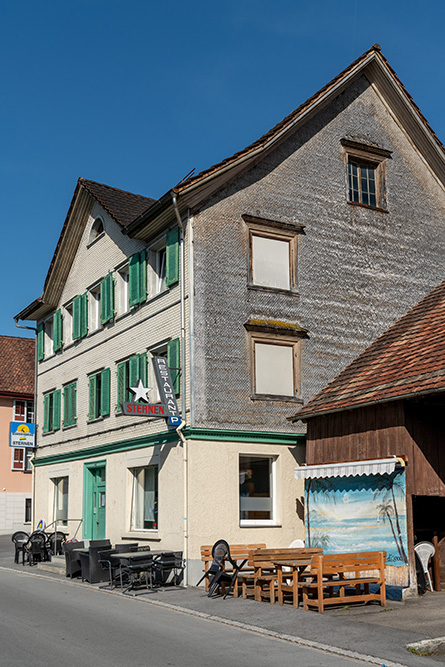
259, 524
68, 427
371, 208
146, 535
100, 418
275, 290
98, 237
273, 397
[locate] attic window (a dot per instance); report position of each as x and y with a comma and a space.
365, 174
97, 228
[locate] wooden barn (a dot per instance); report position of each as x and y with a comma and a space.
387, 406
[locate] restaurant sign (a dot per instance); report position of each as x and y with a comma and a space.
167, 407
165, 385
147, 410
21, 435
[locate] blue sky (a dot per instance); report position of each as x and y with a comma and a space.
135, 94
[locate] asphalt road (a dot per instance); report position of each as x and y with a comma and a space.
46, 623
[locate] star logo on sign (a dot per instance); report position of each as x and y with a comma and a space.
140, 392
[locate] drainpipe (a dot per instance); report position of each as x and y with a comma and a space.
183, 403
20, 326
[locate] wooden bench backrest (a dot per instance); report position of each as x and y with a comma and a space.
237, 551
266, 557
326, 564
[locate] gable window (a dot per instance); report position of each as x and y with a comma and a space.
51, 411
70, 404
275, 349
129, 372
99, 394
24, 411
144, 503
272, 254
257, 490
365, 173
97, 228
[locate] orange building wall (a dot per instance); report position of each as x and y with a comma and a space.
11, 481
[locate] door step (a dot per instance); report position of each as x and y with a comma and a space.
56, 565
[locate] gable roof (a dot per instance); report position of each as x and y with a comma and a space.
16, 365
123, 206
378, 71
407, 360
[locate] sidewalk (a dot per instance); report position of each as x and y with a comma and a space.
378, 635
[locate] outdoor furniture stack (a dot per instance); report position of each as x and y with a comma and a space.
344, 578
238, 552
266, 564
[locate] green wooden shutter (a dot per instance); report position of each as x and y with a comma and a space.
142, 276
77, 316
137, 278
57, 400
92, 384
41, 341
121, 384
107, 299
66, 406
105, 381
84, 315
174, 363
143, 368
172, 257
46, 400
57, 330
133, 366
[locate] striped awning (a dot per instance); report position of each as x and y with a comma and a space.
348, 468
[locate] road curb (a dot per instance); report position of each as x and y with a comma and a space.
300, 641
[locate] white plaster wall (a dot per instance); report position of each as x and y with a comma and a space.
12, 512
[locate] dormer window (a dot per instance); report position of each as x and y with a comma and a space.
97, 228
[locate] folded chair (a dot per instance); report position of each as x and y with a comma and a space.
216, 574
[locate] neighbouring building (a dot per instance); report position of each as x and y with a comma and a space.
375, 477
258, 280
17, 366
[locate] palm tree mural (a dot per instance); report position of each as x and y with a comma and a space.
326, 488
387, 486
385, 513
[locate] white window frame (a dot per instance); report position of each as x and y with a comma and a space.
159, 350
28, 409
22, 467
94, 323
68, 324
245, 523
49, 337
55, 481
133, 471
123, 290
157, 264
97, 230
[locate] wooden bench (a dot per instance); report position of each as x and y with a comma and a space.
237, 552
354, 571
265, 573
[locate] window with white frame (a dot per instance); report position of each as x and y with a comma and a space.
49, 349
28, 510
157, 267
94, 322
21, 459
158, 351
257, 490
144, 504
23, 411
122, 290
68, 324
60, 507
272, 254
97, 228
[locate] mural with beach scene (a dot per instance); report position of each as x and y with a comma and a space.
363, 513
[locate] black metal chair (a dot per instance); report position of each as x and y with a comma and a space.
35, 550
168, 567
19, 538
216, 574
72, 558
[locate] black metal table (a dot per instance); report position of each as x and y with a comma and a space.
135, 564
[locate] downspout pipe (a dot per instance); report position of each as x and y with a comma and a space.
21, 326
183, 383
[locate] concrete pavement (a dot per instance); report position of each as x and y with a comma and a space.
376, 635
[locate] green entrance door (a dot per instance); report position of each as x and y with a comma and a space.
94, 501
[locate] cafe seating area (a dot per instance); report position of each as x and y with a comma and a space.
294, 574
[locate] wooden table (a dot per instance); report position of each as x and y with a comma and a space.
297, 568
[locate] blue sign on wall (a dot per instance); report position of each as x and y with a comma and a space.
21, 434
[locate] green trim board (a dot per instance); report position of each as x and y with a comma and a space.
165, 437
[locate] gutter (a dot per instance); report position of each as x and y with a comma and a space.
183, 378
